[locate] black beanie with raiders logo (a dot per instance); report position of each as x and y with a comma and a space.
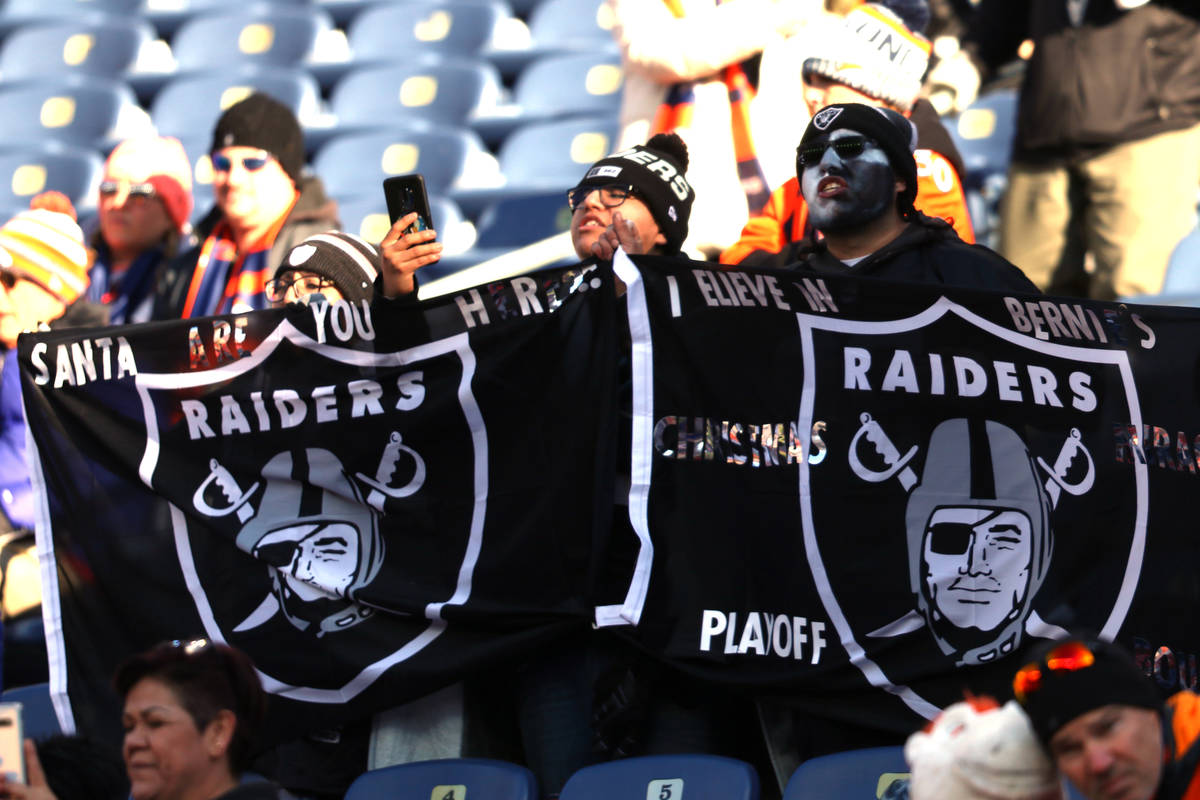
657, 172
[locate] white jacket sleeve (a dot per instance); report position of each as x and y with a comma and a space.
668, 49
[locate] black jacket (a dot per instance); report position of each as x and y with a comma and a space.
1117, 77
928, 251
314, 212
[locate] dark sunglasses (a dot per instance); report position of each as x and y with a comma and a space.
140, 190
223, 163
849, 147
611, 194
1068, 657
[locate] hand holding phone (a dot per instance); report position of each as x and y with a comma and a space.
407, 246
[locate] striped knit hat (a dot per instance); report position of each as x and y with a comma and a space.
47, 248
350, 262
874, 52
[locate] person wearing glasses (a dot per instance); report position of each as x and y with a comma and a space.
877, 56
265, 205
1106, 726
334, 265
145, 205
638, 199
858, 177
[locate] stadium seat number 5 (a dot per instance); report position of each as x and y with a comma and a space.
665, 790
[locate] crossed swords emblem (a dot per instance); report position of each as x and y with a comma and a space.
897, 465
237, 500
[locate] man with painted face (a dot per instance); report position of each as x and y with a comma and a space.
859, 178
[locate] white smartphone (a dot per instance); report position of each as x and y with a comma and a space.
12, 752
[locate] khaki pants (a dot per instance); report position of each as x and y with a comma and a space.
1128, 207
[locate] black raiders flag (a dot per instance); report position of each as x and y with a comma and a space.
863, 498
371, 501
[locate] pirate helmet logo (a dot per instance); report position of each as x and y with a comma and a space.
319, 538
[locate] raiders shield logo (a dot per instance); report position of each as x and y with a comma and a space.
301, 514
823, 119
983, 511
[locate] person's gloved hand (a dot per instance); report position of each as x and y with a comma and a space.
953, 84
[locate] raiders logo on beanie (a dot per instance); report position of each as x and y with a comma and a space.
893, 132
261, 121
657, 172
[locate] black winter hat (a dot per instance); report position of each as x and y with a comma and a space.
1090, 674
347, 260
892, 131
260, 120
657, 172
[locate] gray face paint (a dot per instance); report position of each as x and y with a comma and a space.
869, 190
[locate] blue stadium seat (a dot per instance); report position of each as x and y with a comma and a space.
74, 109
38, 719
168, 17
983, 134
863, 774
394, 31
261, 34
446, 779
545, 157
510, 223
367, 216
357, 163
17, 13
188, 106
105, 47
440, 92
691, 777
25, 172
560, 26
557, 86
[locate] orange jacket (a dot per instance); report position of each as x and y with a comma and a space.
783, 219
1181, 734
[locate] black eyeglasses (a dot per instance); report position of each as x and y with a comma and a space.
611, 194
849, 147
223, 163
142, 191
302, 285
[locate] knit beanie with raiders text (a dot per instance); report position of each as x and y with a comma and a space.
350, 262
657, 172
263, 122
893, 132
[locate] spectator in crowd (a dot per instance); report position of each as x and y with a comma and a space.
43, 277
68, 768
639, 199
980, 750
1106, 727
874, 57
682, 62
265, 204
192, 713
859, 179
1107, 152
145, 204
335, 265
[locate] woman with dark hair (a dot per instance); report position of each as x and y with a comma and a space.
192, 715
